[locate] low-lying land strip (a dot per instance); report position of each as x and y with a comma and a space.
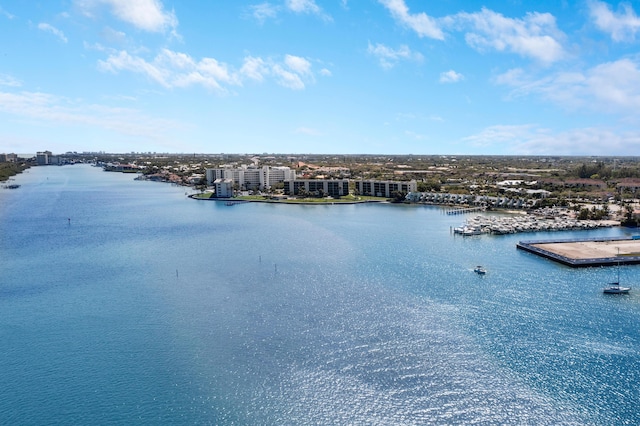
349, 199
587, 252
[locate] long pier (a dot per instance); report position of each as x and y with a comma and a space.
586, 252
464, 210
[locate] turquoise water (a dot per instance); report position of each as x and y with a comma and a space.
151, 308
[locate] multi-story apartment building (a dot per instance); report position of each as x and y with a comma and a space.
251, 177
224, 188
279, 174
254, 178
43, 158
329, 187
384, 188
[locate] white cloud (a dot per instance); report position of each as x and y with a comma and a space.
302, 6
263, 11
287, 78
584, 141
113, 36
529, 139
388, 57
123, 61
6, 14
421, 23
500, 134
53, 30
7, 80
147, 15
45, 108
611, 87
307, 7
622, 26
297, 64
173, 69
450, 77
254, 68
307, 131
535, 36
177, 70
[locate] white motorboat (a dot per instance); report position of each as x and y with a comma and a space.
480, 270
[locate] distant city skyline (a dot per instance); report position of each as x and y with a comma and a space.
328, 77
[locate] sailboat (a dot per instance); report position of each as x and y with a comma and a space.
615, 287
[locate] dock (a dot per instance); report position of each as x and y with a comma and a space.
465, 210
587, 252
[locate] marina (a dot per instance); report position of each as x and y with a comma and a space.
499, 225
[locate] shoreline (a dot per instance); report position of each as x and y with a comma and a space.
287, 201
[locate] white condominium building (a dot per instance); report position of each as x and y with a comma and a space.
43, 158
251, 177
224, 188
279, 174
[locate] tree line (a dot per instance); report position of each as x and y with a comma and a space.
602, 170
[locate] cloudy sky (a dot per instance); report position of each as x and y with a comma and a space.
321, 76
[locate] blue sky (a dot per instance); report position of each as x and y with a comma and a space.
308, 76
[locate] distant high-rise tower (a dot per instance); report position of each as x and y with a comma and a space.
43, 158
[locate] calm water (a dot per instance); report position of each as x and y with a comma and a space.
151, 308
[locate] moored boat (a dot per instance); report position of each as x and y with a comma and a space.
614, 287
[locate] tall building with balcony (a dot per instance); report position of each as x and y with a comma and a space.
224, 188
251, 177
278, 174
43, 158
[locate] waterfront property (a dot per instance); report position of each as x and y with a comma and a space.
469, 200
46, 158
587, 252
323, 187
224, 188
384, 188
252, 176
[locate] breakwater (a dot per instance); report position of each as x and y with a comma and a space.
571, 252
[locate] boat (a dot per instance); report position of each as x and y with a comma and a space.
480, 270
615, 287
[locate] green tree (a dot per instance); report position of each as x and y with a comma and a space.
398, 196
584, 214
